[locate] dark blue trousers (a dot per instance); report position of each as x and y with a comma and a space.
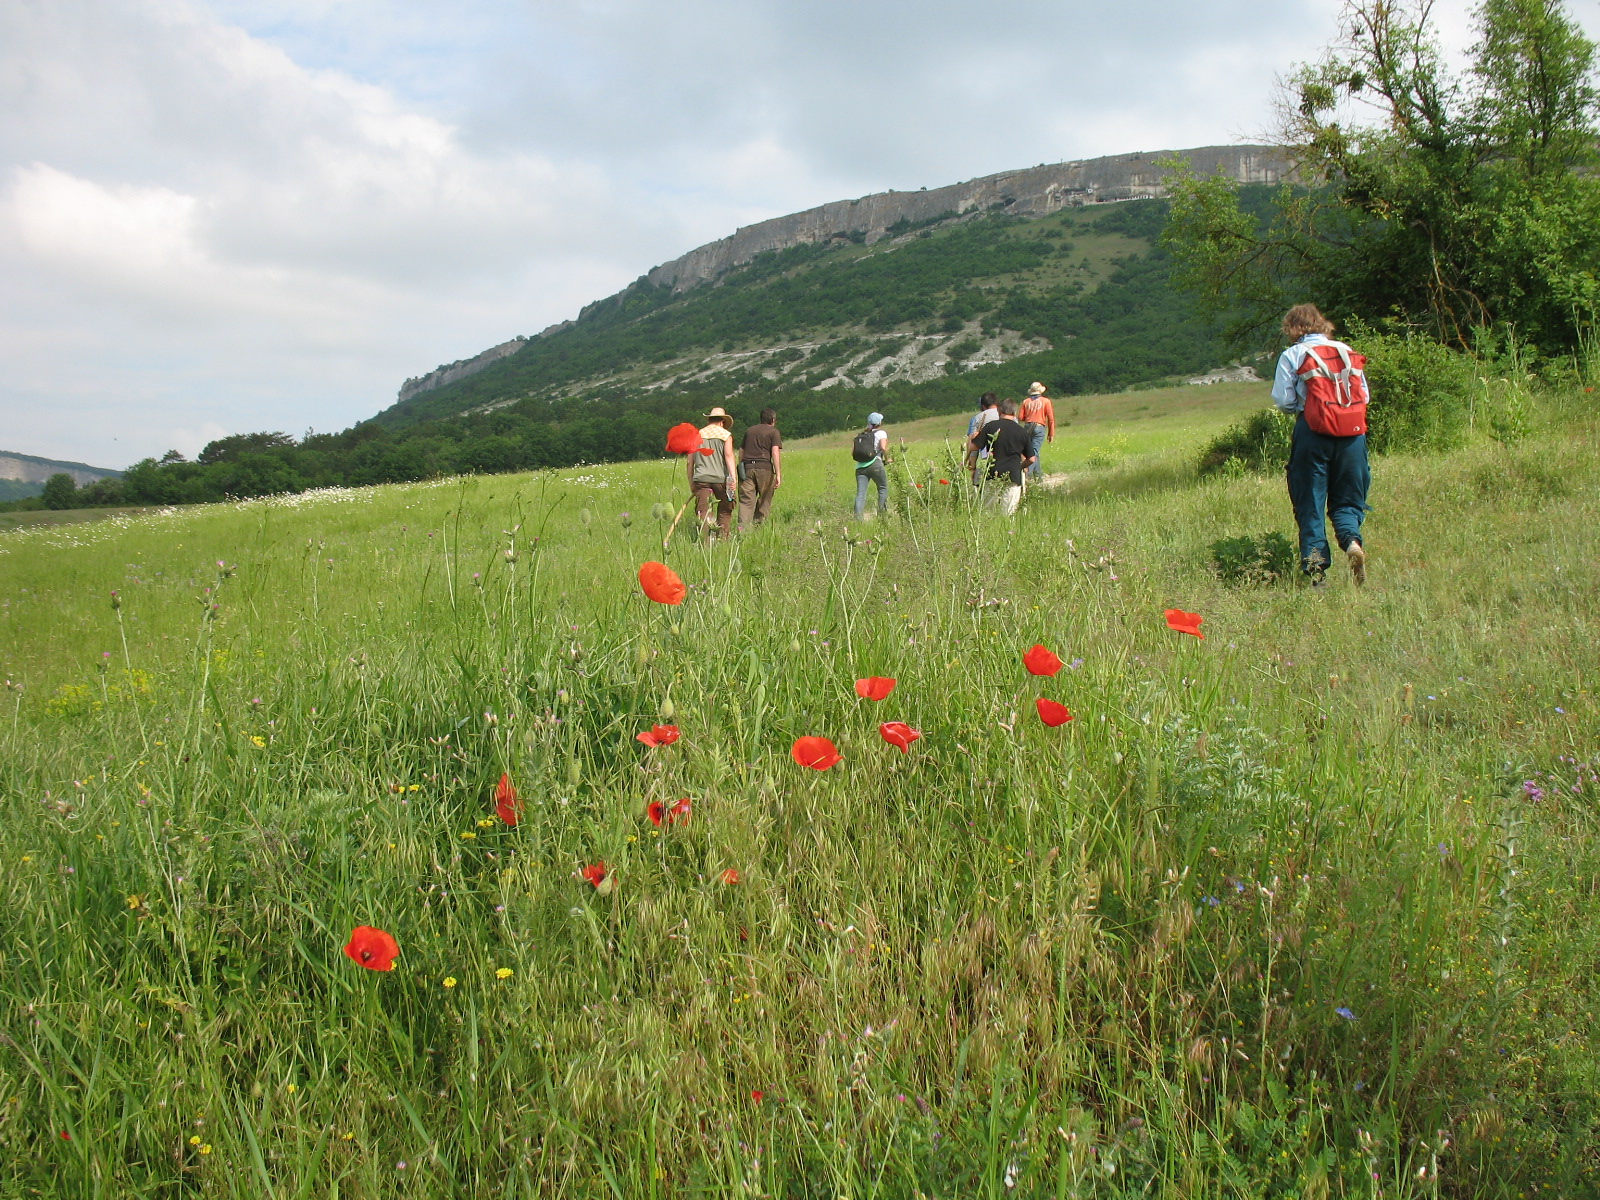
1327, 473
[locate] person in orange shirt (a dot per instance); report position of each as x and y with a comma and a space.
1038, 416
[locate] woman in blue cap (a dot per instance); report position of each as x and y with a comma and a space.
871, 452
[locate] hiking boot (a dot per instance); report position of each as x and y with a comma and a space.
1316, 571
1358, 562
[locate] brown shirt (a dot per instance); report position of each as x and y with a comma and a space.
759, 443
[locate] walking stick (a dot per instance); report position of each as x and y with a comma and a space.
674, 524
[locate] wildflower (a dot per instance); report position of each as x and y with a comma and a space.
194, 1140
503, 972
65, 1136
1184, 622
659, 811
1345, 1013
205, 1148
659, 735
898, 733
1210, 901
135, 902
260, 742
661, 583
1040, 661
595, 873
818, 753
755, 1096
730, 877
1532, 790
945, 482
372, 948
874, 687
449, 981
1051, 713
683, 439
507, 805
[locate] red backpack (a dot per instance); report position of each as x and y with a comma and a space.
1336, 389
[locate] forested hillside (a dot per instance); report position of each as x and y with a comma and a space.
917, 323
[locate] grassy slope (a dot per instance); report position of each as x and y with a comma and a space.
721, 340
1100, 960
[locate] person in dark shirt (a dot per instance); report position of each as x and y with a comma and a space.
760, 470
1009, 445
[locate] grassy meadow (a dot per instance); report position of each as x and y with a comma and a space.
1304, 908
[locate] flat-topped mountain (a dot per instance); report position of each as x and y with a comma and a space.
854, 229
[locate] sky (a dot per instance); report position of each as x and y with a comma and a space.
223, 216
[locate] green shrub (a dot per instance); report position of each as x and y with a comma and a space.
1421, 391
1260, 442
1265, 558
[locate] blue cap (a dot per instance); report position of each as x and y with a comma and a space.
874, 418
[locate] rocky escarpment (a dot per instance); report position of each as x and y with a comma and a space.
28, 469
451, 372
1033, 192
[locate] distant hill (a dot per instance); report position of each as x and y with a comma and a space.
23, 475
887, 290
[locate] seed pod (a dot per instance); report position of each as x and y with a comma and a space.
574, 772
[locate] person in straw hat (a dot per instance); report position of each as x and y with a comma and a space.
1038, 417
713, 474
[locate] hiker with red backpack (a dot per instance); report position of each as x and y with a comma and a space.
1322, 381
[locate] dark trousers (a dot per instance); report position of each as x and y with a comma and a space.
1327, 473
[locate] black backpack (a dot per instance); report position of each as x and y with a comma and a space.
865, 448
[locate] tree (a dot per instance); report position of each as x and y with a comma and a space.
60, 491
1453, 202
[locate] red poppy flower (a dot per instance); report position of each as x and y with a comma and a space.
659, 735
661, 583
946, 482
683, 439
1040, 661
818, 753
506, 801
1185, 622
730, 877
874, 687
67, 1137
1051, 713
756, 1096
595, 873
372, 948
659, 811
898, 733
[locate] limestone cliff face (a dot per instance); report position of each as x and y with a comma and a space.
1033, 192
28, 469
451, 372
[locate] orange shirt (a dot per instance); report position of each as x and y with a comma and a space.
1037, 410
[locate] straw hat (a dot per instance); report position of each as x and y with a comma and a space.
1036, 389
719, 414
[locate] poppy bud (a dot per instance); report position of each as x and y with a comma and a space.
585, 516
794, 645
727, 610
668, 709
675, 629
574, 772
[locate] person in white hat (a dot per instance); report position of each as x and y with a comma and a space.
1038, 417
871, 452
713, 474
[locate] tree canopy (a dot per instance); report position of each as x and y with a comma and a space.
1453, 201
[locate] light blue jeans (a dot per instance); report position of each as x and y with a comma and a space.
1035, 446
875, 472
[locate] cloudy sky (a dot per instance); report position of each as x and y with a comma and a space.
219, 216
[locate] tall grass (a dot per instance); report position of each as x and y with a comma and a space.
1302, 908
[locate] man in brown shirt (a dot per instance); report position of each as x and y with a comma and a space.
761, 463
